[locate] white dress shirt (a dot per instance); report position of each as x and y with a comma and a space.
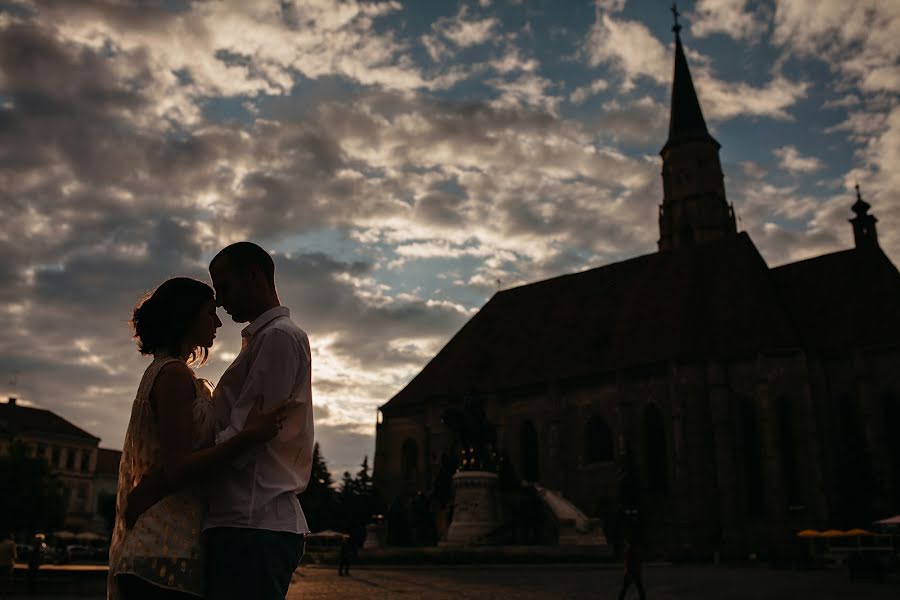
259, 489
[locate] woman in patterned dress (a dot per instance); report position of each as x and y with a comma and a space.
156, 550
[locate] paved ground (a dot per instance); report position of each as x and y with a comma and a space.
529, 582
547, 582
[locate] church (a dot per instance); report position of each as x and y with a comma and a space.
752, 401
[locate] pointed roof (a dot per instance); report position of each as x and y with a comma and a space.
713, 299
686, 122
20, 420
860, 207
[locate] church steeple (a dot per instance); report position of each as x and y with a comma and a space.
694, 208
686, 120
864, 233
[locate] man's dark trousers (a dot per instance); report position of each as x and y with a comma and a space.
250, 563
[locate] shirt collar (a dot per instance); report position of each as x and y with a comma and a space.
263, 319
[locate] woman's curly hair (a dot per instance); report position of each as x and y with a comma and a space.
163, 317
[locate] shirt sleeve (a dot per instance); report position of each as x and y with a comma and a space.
272, 376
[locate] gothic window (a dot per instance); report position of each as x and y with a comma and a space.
528, 446
655, 453
598, 443
859, 483
787, 452
410, 460
752, 458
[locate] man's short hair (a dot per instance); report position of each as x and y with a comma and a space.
244, 255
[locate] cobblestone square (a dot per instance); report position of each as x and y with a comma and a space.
531, 582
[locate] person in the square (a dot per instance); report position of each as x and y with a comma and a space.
254, 525
633, 568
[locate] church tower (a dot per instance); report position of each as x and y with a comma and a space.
864, 233
694, 209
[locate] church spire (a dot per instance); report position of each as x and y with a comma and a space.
686, 120
694, 208
864, 233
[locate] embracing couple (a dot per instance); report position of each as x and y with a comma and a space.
206, 504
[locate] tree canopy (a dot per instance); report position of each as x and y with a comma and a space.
32, 500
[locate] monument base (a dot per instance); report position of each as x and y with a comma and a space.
476, 508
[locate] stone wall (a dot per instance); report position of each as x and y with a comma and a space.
707, 500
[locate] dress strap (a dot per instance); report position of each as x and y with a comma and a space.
146, 385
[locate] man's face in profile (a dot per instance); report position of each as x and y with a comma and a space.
233, 289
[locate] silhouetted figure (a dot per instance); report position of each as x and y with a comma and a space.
476, 437
398, 524
7, 563
345, 555
633, 560
422, 521
442, 487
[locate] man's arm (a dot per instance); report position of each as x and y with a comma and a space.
272, 376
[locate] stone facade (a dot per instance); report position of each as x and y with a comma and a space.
740, 390
72, 453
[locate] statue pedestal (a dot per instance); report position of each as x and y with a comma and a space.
374, 536
476, 507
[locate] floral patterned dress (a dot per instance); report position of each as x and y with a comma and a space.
164, 546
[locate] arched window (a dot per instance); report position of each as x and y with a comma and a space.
751, 450
655, 452
410, 459
784, 420
686, 234
528, 445
598, 442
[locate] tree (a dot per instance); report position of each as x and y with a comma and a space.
33, 496
348, 487
318, 500
358, 502
363, 481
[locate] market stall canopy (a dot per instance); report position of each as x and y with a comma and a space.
328, 534
808, 533
833, 533
895, 520
858, 531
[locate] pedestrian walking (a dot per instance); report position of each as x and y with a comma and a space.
633, 564
346, 551
8, 559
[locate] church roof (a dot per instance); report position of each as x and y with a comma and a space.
686, 122
713, 299
18, 420
842, 300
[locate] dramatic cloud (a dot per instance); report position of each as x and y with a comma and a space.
632, 50
791, 160
734, 18
401, 162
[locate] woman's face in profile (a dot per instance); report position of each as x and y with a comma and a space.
204, 330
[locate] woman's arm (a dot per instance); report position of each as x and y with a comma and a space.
172, 400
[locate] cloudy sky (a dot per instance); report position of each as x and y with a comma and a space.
401, 160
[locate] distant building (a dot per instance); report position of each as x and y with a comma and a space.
755, 401
84, 469
106, 478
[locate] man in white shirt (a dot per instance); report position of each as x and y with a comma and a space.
255, 526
